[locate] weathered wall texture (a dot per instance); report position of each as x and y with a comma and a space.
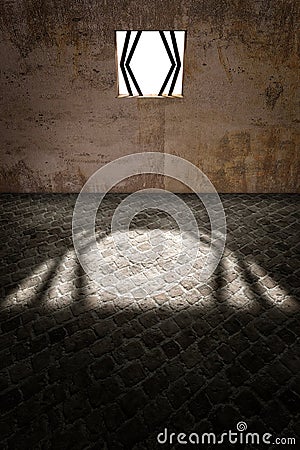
61, 120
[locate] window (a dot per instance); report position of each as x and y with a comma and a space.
150, 63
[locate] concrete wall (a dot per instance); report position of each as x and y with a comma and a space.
61, 120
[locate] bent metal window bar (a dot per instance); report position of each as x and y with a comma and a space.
150, 63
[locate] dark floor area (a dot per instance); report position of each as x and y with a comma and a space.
82, 369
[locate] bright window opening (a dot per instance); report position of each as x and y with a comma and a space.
150, 63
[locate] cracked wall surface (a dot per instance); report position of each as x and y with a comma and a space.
61, 120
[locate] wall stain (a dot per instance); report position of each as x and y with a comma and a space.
244, 168
225, 64
272, 93
19, 177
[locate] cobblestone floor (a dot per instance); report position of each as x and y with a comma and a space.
81, 368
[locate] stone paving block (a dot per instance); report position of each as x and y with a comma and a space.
103, 367
133, 401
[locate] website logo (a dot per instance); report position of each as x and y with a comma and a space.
238, 436
142, 262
